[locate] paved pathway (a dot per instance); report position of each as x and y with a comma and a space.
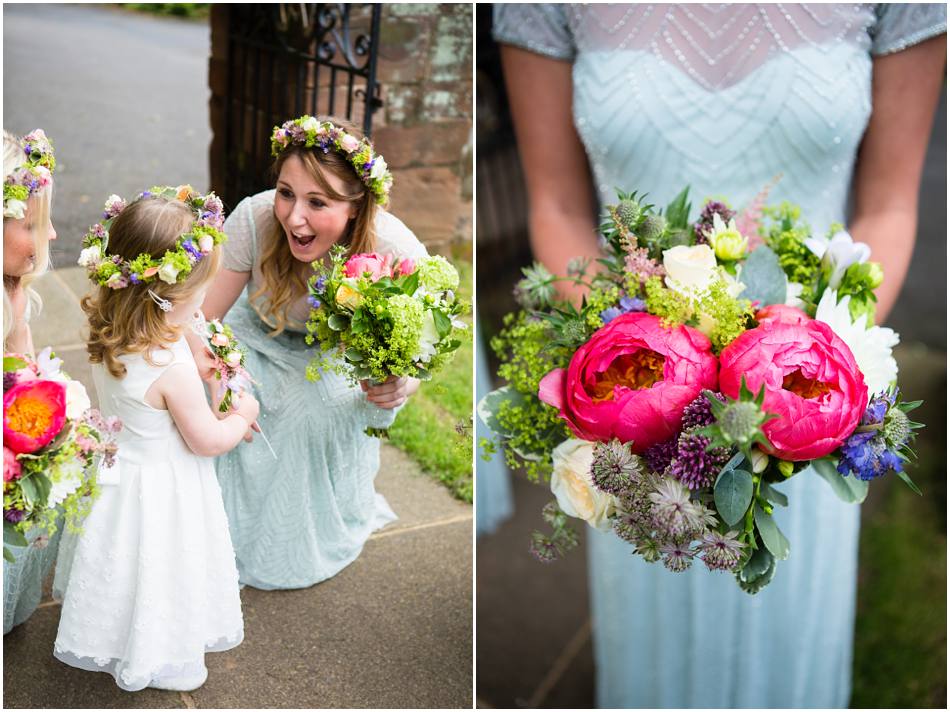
392, 630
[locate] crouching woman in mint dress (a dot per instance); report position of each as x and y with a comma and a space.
300, 518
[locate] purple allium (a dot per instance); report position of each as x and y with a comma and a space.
658, 456
705, 222
692, 464
699, 412
13, 515
720, 552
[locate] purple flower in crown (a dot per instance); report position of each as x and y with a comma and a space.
114, 206
98, 231
194, 254
134, 278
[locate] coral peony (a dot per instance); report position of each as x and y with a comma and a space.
812, 383
33, 414
631, 381
371, 264
783, 314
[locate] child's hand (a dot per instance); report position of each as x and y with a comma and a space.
206, 365
248, 408
392, 393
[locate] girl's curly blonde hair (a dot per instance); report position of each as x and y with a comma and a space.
128, 321
283, 277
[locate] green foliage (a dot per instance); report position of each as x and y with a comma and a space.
176, 9
786, 237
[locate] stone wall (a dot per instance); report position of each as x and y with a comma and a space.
424, 126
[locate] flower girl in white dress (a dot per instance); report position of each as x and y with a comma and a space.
152, 583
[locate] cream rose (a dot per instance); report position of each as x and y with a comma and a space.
220, 340
310, 124
77, 400
90, 256
572, 485
349, 143
205, 244
233, 358
689, 270
379, 168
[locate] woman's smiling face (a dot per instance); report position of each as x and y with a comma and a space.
312, 221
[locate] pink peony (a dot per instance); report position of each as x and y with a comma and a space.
782, 314
631, 380
11, 466
404, 267
374, 265
33, 414
811, 382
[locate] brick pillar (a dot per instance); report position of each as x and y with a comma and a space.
218, 83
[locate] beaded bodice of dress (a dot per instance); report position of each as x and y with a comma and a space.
723, 98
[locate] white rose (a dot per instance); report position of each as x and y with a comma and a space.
168, 273
66, 479
379, 168
310, 124
90, 256
206, 244
14, 208
350, 143
689, 269
572, 485
77, 400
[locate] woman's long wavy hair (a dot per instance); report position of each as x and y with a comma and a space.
39, 209
129, 321
283, 277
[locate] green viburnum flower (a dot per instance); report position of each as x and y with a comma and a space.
437, 274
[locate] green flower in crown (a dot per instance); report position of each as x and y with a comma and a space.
308, 132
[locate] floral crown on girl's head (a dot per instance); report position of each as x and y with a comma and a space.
176, 264
307, 131
29, 178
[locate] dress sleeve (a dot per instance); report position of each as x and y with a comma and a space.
394, 238
901, 25
241, 228
537, 28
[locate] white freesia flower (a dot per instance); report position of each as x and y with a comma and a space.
793, 295
66, 478
838, 253
573, 487
871, 346
379, 168
90, 256
428, 339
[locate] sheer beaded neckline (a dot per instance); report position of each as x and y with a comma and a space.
718, 46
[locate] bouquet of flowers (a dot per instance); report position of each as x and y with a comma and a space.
374, 317
229, 357
709, 361
52, 441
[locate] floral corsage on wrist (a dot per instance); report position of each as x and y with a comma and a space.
175, 265
31, 177
307, 131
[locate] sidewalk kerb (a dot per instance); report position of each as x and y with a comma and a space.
418, 527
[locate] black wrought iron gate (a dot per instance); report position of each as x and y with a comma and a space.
286, 60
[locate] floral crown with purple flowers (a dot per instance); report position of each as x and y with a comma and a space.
31, 177
307, 131
176, 264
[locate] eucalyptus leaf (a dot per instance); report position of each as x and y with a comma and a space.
848, 489
758, 572
337, 322
12, 537
773, 495
771, 535
763, 278
733, 463
733, 493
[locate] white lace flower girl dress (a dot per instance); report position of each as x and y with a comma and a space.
151, 584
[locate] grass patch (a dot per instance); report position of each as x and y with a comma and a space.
435, 427
191, 10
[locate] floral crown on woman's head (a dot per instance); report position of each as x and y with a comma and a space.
176, 264
29, 178
308, 132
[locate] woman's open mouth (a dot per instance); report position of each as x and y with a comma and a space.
302, 241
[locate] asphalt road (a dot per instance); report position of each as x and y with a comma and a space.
123, 96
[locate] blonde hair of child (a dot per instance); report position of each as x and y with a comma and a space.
283, 277
128, 321
39, 210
